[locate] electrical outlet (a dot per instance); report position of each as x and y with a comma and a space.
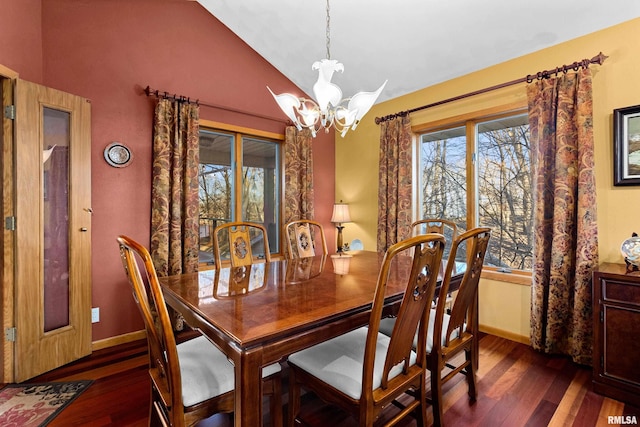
95, 314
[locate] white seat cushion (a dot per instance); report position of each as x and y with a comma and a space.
339, 361
206, 372
386, 327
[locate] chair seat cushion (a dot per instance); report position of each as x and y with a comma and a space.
339, 361
206, 372
386, 327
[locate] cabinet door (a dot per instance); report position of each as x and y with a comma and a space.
53, 229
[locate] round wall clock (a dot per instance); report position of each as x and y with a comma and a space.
117, 155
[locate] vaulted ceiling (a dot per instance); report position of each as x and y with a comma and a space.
412, 43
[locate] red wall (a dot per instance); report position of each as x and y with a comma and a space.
108, 51
21, 38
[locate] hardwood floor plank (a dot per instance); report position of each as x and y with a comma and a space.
517, 386
609, 407
589, 410
542, 414
566, 412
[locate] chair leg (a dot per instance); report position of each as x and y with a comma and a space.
275, 401
422, 417
436, 395
294, 399
471, 374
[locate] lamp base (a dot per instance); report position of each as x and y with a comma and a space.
340, 244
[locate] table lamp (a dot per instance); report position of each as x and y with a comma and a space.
340, 216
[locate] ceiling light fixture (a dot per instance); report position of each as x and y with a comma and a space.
330, 109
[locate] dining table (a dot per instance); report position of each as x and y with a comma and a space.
261, 313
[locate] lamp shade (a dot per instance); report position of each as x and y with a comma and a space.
340, 213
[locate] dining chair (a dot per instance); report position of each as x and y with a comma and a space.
240, 237
192, 380
364, 371
447, 228
455, 324
302, 237
457, 330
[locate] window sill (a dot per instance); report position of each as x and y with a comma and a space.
515, 277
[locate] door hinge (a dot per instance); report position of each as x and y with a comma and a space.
10, 223
601, 316
10, 112
10, 334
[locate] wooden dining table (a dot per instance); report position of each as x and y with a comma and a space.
264, 312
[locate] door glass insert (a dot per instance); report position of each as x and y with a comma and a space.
55, 195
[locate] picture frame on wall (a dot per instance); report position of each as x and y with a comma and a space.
626, 146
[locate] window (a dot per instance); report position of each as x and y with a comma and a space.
239, 180
478, 173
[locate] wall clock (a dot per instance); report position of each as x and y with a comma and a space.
117, 155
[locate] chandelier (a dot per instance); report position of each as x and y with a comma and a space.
329, 109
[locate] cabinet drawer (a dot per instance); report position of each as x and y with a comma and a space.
624, 292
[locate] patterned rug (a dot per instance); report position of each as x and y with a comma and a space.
35, 405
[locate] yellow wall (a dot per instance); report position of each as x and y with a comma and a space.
616, 84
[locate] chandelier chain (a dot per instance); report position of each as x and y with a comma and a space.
328, 32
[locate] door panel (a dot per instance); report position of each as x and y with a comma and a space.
53, 229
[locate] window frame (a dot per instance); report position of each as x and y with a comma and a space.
239, 133
469, 121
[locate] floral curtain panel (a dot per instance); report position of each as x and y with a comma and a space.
298, 174
565, 233
174, 194
394, 189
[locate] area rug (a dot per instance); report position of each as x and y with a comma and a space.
35, 405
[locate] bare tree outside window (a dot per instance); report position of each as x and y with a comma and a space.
258, 190
505, 191
502, 172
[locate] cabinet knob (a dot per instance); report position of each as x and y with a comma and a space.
83, 229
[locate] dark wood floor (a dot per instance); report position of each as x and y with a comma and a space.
517, 387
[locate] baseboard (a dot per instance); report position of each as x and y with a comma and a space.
118, 340
512, 336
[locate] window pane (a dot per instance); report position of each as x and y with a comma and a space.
216, 188
443, 176
505, 200
260, 188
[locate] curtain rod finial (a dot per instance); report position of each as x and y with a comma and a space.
599, 59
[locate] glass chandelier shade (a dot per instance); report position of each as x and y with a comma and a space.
329, 108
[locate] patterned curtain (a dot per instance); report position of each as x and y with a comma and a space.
298, 174
565, 233
174, 194
394, 183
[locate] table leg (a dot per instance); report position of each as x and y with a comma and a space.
248, 389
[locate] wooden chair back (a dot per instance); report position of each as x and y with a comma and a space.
447, 228
164, 367
457, 330
303, 236
415, 306
240, 237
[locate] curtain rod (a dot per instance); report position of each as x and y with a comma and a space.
180, 98
598, 59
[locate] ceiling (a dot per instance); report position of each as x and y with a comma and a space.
412, 43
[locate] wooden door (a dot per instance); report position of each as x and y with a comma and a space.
52, 229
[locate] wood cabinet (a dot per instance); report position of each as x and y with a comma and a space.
616, 320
